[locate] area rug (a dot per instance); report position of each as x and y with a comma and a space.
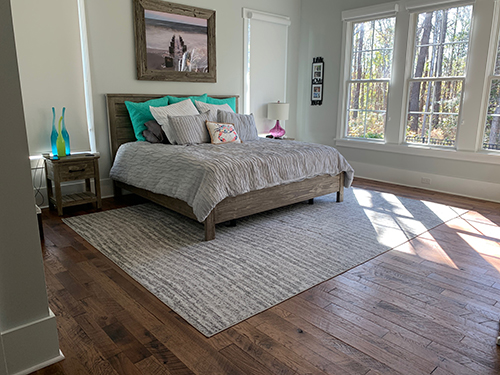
264, 260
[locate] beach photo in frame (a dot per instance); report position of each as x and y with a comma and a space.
174, 42
317, 92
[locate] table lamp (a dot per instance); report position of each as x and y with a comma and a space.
278, 111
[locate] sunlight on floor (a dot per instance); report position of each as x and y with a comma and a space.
364, 197
427, 249
481, 245
443, 211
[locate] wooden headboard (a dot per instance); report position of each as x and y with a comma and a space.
120, 126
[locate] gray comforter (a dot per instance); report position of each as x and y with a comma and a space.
203, 175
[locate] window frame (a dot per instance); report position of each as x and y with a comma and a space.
409, 69
390, 11
493, 50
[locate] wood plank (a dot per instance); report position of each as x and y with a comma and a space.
314, 344
279, 358
244, 361
396, 358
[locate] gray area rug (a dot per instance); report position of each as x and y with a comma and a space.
264, 260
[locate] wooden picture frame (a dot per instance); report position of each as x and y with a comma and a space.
174, 42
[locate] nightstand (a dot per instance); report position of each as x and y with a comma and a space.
72, 168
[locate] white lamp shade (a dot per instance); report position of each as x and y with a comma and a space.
278, 111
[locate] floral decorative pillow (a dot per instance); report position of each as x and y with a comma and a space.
222, 133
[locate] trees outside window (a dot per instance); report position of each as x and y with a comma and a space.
370, 73
491, 139
438, 75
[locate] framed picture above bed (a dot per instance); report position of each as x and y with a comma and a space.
174, 42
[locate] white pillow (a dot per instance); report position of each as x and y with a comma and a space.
184, 108
222, 133
203, 107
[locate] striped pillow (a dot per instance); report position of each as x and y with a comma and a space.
184, 108
243, 124
187, 130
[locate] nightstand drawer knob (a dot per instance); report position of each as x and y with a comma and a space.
76, 170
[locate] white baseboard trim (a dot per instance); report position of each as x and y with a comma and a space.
32, 346
75, 187
42, 365
444, 184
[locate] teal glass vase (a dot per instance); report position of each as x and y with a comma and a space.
65, 133
54, 134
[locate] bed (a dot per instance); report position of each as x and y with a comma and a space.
229, 208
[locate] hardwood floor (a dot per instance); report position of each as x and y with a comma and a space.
430, 306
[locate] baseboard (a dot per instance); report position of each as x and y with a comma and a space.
444, 184
75, 187
32, 346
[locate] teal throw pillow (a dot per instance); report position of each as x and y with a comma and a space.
140, 114
230, 101
175, 99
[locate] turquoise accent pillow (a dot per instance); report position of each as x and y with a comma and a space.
174, 99
230, 101
140, 114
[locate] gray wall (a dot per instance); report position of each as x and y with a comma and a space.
465, 172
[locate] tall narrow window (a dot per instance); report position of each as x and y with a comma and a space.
438, 75
491, 140
370, 72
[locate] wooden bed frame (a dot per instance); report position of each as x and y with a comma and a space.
231, 208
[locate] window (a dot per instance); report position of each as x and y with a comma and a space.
491, 140
370, 73
438, 75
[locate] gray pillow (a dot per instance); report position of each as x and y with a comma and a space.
243, 124
186, 130
154, 133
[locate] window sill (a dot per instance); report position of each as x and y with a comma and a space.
487, 157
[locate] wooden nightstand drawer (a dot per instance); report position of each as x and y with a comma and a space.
76, 171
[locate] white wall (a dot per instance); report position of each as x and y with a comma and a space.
50, 66
28, 335
464, 172
113, 66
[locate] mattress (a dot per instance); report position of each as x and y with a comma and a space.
205, 174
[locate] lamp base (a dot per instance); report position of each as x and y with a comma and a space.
277, 131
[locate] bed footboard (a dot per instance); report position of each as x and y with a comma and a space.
252, 202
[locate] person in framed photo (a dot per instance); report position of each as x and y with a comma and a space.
317, 92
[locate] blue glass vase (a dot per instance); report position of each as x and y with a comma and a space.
54, 134
65, 133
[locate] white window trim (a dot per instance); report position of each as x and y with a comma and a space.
462, 154
420, 6
87, 83
450, 153
350, 17
490, 66
248, 15
371, 12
